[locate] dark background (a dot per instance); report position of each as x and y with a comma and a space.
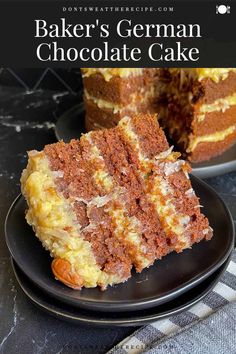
44, 78
18, 45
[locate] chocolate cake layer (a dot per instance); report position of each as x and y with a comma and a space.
207, 150
214, 122
106, 117
188, 133
186, 202
100, 118
204, 91
152, 140
212, 90
117, 89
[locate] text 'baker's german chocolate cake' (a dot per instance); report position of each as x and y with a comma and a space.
196, 107
117, 199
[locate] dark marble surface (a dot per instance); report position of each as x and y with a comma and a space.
27, 122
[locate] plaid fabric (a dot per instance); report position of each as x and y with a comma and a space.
207, 327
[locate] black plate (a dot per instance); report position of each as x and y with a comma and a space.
217, 166
165, 280
132, 318
71, 125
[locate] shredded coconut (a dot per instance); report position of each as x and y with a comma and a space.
164, 154
172, 167
57, 174
190, 192
206, 231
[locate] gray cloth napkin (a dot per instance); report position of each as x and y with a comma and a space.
207, 327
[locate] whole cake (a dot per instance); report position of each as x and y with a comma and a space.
119, 198
196, 107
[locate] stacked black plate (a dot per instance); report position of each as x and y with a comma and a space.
168, 287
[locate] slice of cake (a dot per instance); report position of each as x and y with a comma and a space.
118, 198
200, 115
197, 107
111, 94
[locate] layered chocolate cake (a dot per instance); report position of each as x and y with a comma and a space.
119, 198
196, 107
111, 94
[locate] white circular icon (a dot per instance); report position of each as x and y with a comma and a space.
222, 9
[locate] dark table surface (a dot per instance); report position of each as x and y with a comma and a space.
27, 122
